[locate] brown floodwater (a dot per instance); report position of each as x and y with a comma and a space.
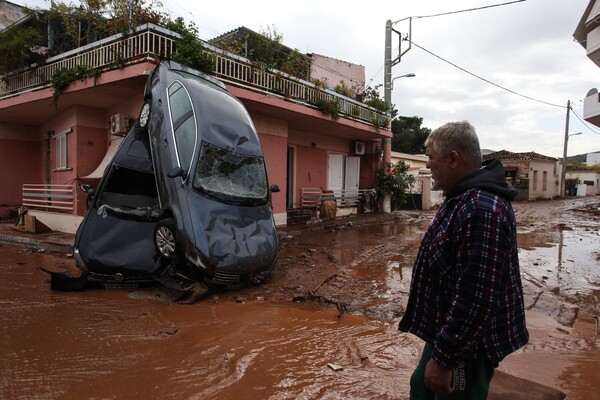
111, 344
135, 343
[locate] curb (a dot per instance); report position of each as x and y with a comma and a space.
58, 247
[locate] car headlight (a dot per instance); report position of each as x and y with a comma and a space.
193, 256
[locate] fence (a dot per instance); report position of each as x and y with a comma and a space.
46, 197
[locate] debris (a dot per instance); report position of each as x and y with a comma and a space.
65, 281
567, 315
240, 299
192, 293
335, 367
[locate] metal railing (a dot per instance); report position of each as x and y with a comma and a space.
48, 197
151, 42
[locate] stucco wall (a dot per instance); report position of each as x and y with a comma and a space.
537, 191
583, 176
21, 161
332, 71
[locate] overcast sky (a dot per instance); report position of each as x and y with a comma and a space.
526, 47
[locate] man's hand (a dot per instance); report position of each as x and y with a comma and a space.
437, 379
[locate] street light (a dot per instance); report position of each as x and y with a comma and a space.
411, 75
564, 166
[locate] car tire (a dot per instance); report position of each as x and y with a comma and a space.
164, 238
144, 120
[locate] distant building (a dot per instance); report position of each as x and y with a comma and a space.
585, 176
534, 175
592, 158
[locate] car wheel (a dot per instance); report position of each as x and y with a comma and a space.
145, 115
164, 238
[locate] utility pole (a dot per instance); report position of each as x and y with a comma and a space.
387, 93
563, 171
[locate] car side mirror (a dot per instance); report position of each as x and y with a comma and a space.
275, 188
89, 190
177, 171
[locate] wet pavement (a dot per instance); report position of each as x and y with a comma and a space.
333, 302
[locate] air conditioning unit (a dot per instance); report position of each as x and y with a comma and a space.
358, 148
119, 124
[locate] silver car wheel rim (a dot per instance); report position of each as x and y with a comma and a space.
144, 114
165, 241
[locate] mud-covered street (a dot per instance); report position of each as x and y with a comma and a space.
323, 326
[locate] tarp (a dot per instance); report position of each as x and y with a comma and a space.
112, 149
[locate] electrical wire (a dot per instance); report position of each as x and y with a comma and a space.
486, 80
584, 122
467, 10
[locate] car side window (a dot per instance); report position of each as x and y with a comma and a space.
183, 123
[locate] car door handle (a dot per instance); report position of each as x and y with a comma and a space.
165, 141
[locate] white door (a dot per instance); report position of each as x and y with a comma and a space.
352, 173
335, 172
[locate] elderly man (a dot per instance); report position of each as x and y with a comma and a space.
466, 297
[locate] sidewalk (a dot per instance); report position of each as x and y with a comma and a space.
53, 241
63, 242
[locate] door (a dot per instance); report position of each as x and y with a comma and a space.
335, 172
352, 173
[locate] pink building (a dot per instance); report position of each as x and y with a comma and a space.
47, 151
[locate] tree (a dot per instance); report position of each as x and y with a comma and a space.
397, 183
408, 135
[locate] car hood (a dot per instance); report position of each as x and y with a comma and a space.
232, 237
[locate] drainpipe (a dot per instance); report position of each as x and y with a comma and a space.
47, 160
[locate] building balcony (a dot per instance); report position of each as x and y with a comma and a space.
591, 107
150, 43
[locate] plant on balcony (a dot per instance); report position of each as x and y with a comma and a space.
393, 179
330, 107
189, 49
64, 77
343, 89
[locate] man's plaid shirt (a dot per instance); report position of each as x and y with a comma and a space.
466, 296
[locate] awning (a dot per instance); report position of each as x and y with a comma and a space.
510, 168
112, 149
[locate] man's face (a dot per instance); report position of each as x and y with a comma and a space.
440, 168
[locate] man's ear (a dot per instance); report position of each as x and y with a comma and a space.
454, 159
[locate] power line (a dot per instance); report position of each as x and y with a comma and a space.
487, 80
467, 10
584, 122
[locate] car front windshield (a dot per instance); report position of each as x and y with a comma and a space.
230, 177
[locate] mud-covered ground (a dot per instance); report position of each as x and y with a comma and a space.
322, 327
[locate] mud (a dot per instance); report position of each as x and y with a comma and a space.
333, 302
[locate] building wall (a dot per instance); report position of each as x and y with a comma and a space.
592, 158
273, 135
21, 159
537, 188
589, 176
332, 71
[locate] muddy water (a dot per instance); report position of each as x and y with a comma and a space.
135, 344
129, 344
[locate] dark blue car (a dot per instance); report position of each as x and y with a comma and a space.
186, 197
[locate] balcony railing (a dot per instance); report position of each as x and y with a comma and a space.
46, 197
151, 42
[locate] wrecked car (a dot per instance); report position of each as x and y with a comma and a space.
186, 197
